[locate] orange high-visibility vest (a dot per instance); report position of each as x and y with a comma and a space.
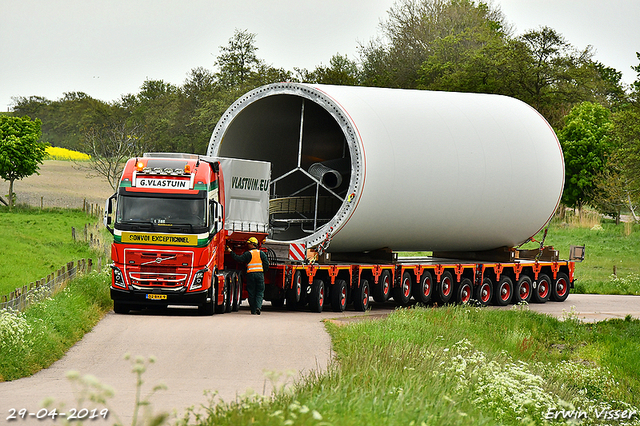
255, 264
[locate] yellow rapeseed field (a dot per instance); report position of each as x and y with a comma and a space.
56, 153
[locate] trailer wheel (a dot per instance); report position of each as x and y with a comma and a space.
560, 288
316, 298
294, 294
522, 290
120, 308
484, 292
339, 296
504, 291
402, 293
237, 296
382, 290
542, 290
361, 297
464, 291
445, 287
423, 290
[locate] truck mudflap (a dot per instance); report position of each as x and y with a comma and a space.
160, 300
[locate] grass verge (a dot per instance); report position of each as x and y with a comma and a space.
459, 366
38, 242
42, 334
608, 248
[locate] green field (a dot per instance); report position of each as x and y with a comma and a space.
607, 246
38, 242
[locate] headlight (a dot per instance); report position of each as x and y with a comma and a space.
198, 278
118, 278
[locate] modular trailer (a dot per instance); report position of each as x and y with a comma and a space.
361, 173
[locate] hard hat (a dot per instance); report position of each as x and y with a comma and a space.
253, 240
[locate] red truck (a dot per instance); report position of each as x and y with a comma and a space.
167, 220
173, 215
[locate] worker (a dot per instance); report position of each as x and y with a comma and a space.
257, 263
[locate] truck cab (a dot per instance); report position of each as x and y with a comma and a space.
167, 221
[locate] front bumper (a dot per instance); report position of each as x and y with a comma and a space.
141, 297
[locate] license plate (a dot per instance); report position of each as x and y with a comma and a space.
156, 296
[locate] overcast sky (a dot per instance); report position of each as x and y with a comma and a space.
107, 48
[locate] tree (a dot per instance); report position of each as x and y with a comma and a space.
238, 60
586, 147
341, 70
21, 152
413, 32
110, 146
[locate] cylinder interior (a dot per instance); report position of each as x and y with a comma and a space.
269, 129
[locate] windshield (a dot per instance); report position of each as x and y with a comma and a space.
162, 212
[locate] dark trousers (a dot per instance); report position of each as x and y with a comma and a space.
255, 288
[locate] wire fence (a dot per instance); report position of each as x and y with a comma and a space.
35, 292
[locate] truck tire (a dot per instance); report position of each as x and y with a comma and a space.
208, 308
382, 290
484, 292
294, 294
542, 290
237, 296
220, 309
402, 293
445, 287
423, 291
120, 308
522, 290
316, 297
339, 296
464, 291
503, 291
361, 296
231, 290
560, 288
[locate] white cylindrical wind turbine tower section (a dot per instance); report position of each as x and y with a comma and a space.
420, 170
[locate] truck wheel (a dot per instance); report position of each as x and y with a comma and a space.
120, 308
560, 288
522, 291
231, 290
294, 294
464, 291
316, 298
484, 292
237, 296
423, 290
339, 296
219, 309
382, 290
542, 290
361, 297
445, 287
504, 291
402, 293
208, 308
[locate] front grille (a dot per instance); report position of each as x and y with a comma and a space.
155, 279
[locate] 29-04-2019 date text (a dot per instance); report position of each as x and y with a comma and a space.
71, 414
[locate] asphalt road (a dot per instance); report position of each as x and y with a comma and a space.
225, 353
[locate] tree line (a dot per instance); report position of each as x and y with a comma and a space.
450, 45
